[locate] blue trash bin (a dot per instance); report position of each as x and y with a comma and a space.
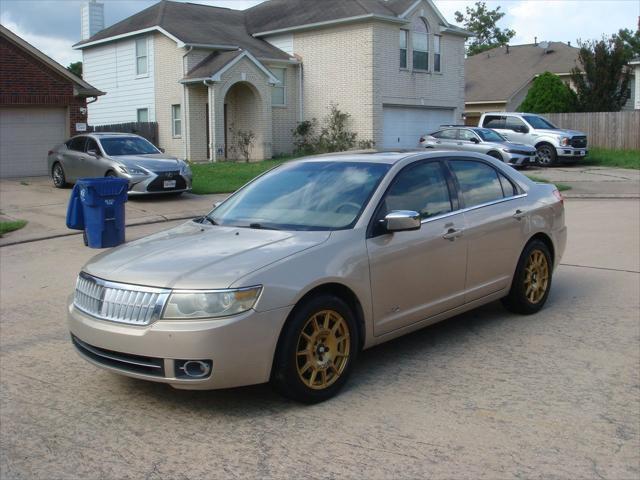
103, 202
75, 218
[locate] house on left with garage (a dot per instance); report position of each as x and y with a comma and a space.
41, 105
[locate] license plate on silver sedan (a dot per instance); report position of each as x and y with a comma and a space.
169, 184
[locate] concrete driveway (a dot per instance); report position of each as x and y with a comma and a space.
487, 394
36, 200
592, 182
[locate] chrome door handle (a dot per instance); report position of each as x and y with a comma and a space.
519, 214
452, 234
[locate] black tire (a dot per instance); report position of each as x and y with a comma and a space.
58, 176
526, 296
496, 155
286, 378
84, 238
546, 155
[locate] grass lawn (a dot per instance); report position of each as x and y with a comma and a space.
227, 177
613, 158
11, 225
561, 186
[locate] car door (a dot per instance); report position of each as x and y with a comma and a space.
470, 142
495, 225
516, 130
417, 274
72, 157
446, 139
93, 164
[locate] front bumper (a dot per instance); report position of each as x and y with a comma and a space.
519, 160
572, 152
241, 348
155, 184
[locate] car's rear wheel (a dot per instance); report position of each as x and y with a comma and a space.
58, 176
546, 155
532, 280
317, 350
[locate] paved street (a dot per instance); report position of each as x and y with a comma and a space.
586, 181
485, 395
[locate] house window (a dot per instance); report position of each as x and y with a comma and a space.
176, 121
141, 57
437, 39
404, 37
420, 44
143, 115
278, 92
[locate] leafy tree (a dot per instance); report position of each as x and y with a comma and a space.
75, 68
482, 22
631, 41
549, 94
602, 78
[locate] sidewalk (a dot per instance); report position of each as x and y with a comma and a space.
44, 207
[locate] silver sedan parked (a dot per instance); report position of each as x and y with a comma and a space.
124, 155
297, 272
480, 140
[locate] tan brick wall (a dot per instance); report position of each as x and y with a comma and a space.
285, 119
168, 73
338, 68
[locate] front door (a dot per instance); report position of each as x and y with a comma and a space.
417, 274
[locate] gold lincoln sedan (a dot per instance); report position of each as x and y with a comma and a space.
312, 262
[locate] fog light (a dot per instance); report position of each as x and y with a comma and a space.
194, 369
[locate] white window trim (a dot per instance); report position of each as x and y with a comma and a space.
434, 54
138, 110
146, 56
176, 119
407, 50
428, 51
283, 86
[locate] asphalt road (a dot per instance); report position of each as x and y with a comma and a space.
484, 395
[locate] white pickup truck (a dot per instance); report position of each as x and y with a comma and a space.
552, 143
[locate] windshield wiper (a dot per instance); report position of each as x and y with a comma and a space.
210, 220
259, 226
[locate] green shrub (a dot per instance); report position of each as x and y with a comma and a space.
549, 94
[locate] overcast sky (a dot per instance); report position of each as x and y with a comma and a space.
54, 25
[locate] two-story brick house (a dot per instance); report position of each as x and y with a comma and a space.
201, 72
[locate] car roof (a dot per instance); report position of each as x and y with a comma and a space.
389, 157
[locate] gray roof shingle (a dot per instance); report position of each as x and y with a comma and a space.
495, 75
211, 64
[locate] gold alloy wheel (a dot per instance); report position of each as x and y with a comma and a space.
536, 276
322, 352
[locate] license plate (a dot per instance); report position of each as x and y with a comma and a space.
169, 184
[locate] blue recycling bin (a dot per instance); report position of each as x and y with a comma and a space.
102, 210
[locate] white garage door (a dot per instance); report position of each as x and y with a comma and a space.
403, 126
26, 135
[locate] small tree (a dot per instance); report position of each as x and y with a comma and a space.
304, 136
482, 22
602, 82
243, 141
549, 94
335, 136
75, 68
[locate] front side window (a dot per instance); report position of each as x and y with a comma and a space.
115, 146
91, 145
176, 120
437, 55
404, 37
539, 122
467, 135
278, 92
421, 188
141, 57
420, 45
479, 183
320, 195
143, 115
514, 123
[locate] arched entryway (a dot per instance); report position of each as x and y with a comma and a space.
242, 115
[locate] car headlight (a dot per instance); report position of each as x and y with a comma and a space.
210, 304
132, 170
186, 169
564, 141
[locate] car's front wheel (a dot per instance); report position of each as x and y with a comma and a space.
317, 350
546, 155
58, 176
532, 280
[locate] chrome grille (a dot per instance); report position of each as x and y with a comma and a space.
119, 302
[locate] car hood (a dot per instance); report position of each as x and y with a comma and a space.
561, 132
197, 256
157, 162
519, 146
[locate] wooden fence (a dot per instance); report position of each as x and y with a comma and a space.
148, 130
620, 130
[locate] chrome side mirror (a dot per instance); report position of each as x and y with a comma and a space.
402, 220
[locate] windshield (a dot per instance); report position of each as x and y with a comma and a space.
127, 146
539, 122
489, 135
303, 196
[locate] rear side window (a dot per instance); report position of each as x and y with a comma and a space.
508, 188
479, 183
421, 188
493, 121
77, 144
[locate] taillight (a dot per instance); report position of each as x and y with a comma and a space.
558, 195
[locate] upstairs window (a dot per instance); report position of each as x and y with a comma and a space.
176, 120
420, 44
278, 92
142, 67
143, 115
404, 41
437, 41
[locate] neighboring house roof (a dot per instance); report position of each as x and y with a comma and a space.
81, 87
216, 63
496, 76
